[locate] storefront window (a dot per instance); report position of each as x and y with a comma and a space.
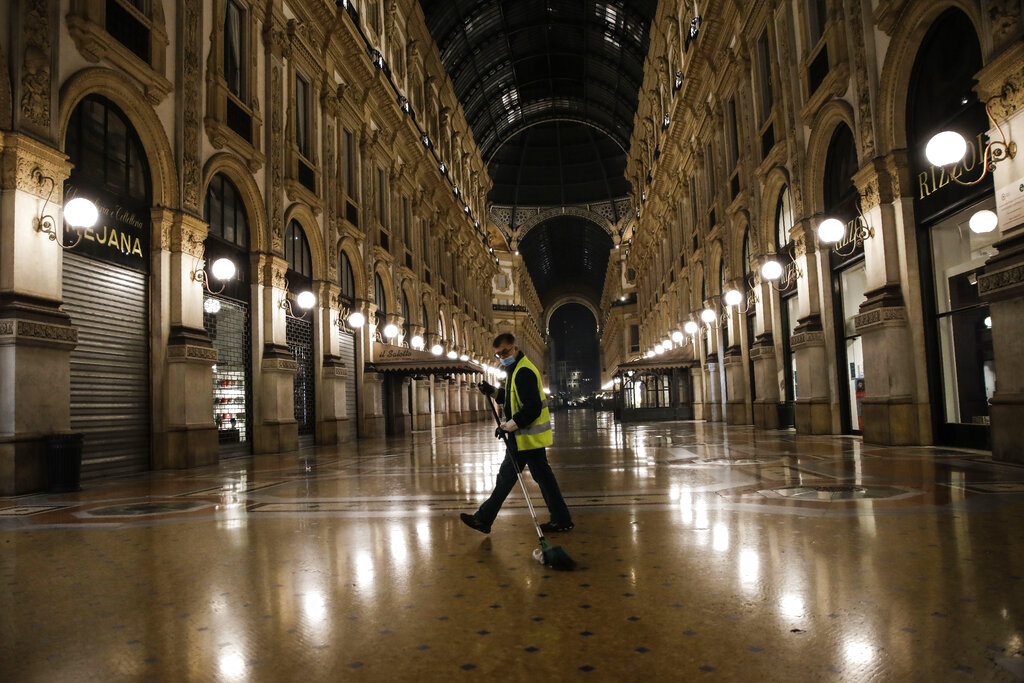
792, 311
964, 327
853, 283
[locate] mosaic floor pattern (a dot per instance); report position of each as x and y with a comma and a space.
703, 551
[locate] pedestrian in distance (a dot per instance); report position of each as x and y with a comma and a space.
527, 426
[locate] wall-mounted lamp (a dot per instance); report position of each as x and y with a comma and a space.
665, 121
426, 141
832, 231
390, 331
416, 342
772, 271
306, 300
349, 318
223, 269
452, 355
443, 168
983, 221
949, 147
678, 82
79, 213
403, 104
677, 337
437, 349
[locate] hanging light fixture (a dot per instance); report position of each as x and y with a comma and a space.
983, 221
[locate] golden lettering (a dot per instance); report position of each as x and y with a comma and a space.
943, 178
923, 185
137, 248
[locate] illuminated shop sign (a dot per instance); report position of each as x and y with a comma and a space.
120, 236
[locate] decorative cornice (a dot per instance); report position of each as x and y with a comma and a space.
887, 316
14, 331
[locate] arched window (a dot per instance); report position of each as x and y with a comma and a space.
840, 166
346, 278
748, 258
106, 151
380, 298
225, 212
425, 319
405, 315
783, 219
296, 250
721, 276
440, 325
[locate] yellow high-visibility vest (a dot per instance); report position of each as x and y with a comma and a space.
538, 434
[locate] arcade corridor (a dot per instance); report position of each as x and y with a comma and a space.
704, 551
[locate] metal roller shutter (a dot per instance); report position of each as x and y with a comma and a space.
110, 365
299, 334
348, 356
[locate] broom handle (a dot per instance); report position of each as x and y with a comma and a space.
519, 474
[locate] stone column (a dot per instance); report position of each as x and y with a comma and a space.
276, 429
421, 410
469, 412
734, 367
184, 433
812, 409
440, 389
764, 359
36, 336
713, 365
895, 408
333, 424
371, 411
1002, 284
454, 401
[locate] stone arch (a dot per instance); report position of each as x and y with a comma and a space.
713, 256
349, 245
427, 303
235, 170
697, 277
739, 225
381, 268
571, 299
776, 179
893, 83
304, 215
825, 123
408, 290
578, 211
122, 92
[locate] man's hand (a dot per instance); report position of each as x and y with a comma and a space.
509, 426
486, 389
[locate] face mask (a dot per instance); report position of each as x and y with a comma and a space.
509, 361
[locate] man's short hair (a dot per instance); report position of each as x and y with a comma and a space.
504, 338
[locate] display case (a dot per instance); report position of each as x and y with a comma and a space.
229, 405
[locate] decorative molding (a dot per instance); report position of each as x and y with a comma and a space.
282, 365
13, 330
888, 316
185, 353
35, 64
809, 338
190, 51
999, 284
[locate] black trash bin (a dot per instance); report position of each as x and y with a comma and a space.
64, 459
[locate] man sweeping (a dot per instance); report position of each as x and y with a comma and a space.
527, 419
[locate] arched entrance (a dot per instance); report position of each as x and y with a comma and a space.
106, 290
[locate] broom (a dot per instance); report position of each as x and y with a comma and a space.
552, 556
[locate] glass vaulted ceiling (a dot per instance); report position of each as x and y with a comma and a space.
549, 88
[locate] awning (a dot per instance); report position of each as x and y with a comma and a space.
406, 361
667, 361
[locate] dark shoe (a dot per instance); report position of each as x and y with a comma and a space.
474, 523
552, 527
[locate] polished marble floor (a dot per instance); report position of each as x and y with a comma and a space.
704, 552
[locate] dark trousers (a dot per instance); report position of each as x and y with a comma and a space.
537, 460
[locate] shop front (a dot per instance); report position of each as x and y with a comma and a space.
105, 280
952, 244
848, 276
227, 317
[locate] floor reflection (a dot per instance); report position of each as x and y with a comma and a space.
701, 549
